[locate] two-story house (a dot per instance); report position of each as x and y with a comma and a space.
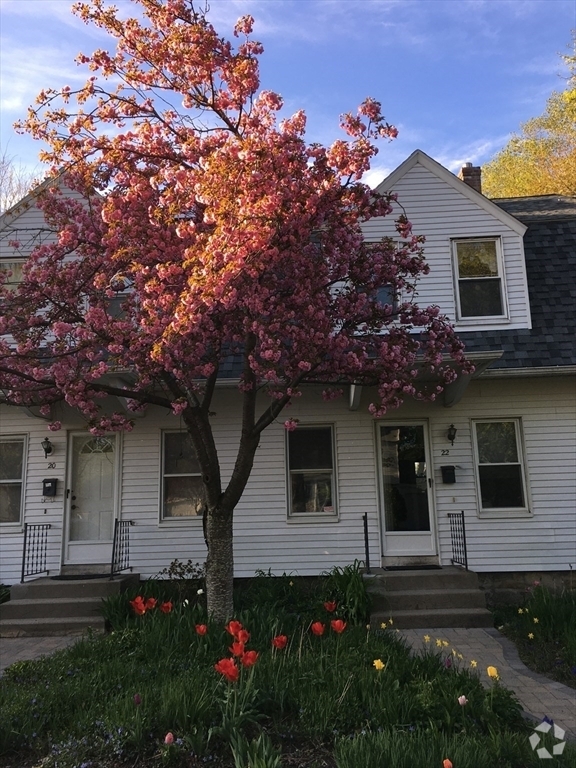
498, 445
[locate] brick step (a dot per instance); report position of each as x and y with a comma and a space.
422, 599
58, 607
444, 617
47, 627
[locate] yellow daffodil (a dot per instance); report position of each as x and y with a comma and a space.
383, 625
445, 643
460, 656
454, 652
493, 673
530, 635
535, 620
426, 638
390, 622
520, 611
473, 664
439, 642
378, 664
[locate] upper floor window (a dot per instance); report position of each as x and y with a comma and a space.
182, 486
13, 269
312, 484
500, 466
479, 278
12, 452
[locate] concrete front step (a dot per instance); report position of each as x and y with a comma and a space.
444, 617
57, 607
47, 627
447, 597
48, 606
416, 600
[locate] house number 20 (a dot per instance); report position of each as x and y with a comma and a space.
51, 465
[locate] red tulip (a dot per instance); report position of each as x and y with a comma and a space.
138, 605
318, 628
228, 668
169, 738
447, 763
237, 648
279, 641
151, 603
330, 606
166, 607
242, 635
201, 629
233, 627
338, 625
249, 658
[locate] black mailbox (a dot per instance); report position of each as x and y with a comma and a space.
448, 474
49, 487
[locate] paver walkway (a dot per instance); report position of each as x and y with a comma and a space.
538, 695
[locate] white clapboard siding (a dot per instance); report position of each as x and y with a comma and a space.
264, 536
441, 212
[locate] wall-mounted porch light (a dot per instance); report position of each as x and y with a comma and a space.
47, 447
451, 434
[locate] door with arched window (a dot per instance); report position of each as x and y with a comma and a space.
91, 499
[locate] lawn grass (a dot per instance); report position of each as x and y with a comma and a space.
543, 628
335, 694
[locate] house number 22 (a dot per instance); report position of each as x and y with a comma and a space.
445, 452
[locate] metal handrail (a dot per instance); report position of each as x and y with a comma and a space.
458, 537
35, 549
366, 546
121, 547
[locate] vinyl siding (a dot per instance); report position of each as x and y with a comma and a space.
441, 213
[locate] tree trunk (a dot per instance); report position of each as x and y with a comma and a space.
220, 564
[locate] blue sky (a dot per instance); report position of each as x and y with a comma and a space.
456, 77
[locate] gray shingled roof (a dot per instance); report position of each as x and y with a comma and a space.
550, 249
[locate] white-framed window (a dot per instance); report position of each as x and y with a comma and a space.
12, 474
182, 492
13, 268
500, 470
311, 474
479, 272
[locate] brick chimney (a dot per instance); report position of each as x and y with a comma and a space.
471, 175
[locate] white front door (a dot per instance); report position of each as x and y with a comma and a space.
406, 498
91, 499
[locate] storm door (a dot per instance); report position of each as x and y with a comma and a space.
406, 490
91, 499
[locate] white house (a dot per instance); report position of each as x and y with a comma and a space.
498, 445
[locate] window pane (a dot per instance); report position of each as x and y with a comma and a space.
179, 455
183, 496
477, 259
310, 448
480, 298
501, 486
15, 267
311, 492
11, 456
385, 295
10, 500
497, 442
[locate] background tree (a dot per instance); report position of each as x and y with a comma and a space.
15, 180
541, 160
225, 235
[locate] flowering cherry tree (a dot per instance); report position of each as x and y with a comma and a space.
208, 229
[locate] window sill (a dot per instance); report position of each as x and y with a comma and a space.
8, 528
504, 513
179, 522
303, 519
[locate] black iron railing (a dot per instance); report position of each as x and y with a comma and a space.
35, 549
458, 536
366, 545
121, 547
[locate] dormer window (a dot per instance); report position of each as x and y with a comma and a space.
479, 279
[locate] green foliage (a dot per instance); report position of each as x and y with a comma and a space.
4, 593
543, 628
115, 698
541, 159
347, 588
